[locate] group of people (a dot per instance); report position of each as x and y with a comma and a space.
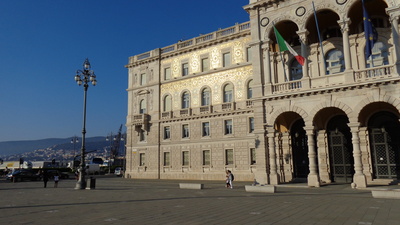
229, 179
45, 177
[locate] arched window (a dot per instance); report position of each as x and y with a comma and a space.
334, 61
185, 100
296, 70
379, 56
228, 93
205, 97
167, 103
142, 106
250, 89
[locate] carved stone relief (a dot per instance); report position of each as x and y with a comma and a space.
236, 76
237, 48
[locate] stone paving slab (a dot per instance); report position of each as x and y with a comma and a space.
125, 201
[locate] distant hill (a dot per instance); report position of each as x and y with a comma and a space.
18, 147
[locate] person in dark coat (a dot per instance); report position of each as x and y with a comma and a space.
45, 178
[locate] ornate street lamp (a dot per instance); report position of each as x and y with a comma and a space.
111, 139
74, 140
84, 77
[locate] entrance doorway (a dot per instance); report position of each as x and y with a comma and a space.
385, 145
340, 150
299, 150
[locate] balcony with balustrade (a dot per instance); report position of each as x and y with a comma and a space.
220, 34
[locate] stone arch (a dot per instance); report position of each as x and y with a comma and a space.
277, 113
354, 12
383, 97
203, 88
328, 15
309, 15
269, 29
336, 104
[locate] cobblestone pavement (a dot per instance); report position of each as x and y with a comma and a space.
125, 201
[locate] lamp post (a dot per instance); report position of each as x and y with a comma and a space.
74, 140
123, 138
84, 77
110, 138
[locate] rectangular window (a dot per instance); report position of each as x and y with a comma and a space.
167, 159
185, 131
167, 73
229, 157
142, 109
252, 156
185, 158
206, 158
226, 60
167, 133
142, 135
205, 64
251, 124
142, 159
185, 69
228, 127
143, 79
206, 129
248, 58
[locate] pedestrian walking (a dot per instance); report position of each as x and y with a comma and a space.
45, 178
230, 179
227, 179
56, 179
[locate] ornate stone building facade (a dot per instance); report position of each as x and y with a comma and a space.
231, 100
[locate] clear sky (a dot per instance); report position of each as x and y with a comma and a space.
44, 42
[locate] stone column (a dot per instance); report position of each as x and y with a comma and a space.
359, 180
344, 24
395, 34
394, 13
273, 176
267, 66
313, 177
303, 40
304, 52
267, 63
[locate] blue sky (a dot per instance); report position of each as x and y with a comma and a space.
43, 43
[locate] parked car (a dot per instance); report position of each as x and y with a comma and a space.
118, 171
20, 175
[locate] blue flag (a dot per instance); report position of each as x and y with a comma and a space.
371, 35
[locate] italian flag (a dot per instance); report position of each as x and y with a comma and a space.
284, 46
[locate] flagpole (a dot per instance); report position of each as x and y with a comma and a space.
319, 38
280, 53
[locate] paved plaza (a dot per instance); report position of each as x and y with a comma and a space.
125, 201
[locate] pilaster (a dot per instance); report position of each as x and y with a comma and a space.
267, 67
261, 175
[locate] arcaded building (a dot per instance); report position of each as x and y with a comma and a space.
231, 100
